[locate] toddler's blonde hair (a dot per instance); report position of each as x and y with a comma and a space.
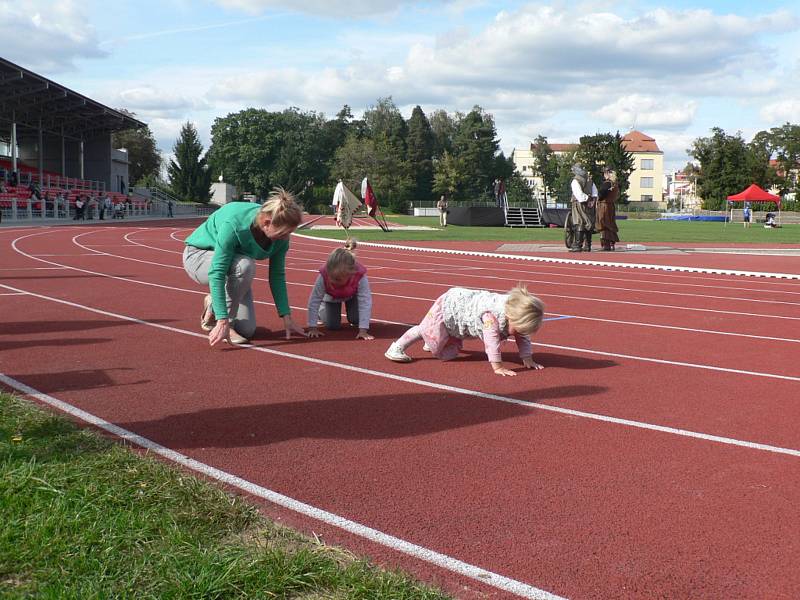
524, 310
282, 208
343, 260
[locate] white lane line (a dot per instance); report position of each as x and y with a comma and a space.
586, 350
400, 545
585, 272
12, 294
610, 301
567, 261
378, 280
518, 275
465, 391
385, 321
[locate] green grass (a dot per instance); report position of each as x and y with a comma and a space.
630, 230
85, 517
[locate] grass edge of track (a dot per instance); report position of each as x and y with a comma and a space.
85, 516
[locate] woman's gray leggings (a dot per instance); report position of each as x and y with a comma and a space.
238, 285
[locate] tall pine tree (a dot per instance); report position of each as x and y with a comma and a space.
189, 176
420, 153
475, 147
622, 162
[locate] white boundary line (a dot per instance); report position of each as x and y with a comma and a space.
468, 392
566, 261
424, 554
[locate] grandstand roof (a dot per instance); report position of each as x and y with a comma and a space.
26, 97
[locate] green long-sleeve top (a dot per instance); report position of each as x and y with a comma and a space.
227, 233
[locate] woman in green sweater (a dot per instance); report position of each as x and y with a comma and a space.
221, 254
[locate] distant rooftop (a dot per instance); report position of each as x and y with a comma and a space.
636, 141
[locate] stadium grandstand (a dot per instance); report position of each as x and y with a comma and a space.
55, 148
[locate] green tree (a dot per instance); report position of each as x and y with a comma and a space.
724, 167
784, 144
545, 164
420, 153
622, 162
384, 121
189, 176
144, 157
257, 150
564, 176
518, 190
475, 146
376, 159
592, 154
446, 175
444, 128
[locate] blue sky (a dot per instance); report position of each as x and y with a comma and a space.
672, 70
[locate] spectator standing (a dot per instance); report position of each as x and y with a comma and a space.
442, 206
606, 218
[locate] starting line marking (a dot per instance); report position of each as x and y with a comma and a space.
390, 541
565, 261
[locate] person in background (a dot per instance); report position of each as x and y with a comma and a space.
747, 214
584, 193
442, 206
606, 218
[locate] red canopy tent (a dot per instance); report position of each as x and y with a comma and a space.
754, 193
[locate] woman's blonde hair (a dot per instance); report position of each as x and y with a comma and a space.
343, 260
282, 208
524, 310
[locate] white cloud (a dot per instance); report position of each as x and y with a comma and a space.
781, 111
348, 9
47, 36
641, 111
147, 100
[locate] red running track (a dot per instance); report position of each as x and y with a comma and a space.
655, 456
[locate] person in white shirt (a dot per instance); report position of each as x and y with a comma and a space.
584, 195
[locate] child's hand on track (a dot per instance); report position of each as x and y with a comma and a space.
313, 332
499, 369
530, 364
363, 334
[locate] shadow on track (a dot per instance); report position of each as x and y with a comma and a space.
360, 418
81, 379
34, 327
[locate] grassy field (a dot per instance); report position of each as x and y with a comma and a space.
630, 230
84, 517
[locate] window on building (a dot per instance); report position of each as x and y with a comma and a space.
647, 164
646, 198
646, 182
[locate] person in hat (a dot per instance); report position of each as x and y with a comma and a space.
584, 194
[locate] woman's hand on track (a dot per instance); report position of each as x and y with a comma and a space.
219, 333
292, 327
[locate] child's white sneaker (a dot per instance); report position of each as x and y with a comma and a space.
397, 354
426, 348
